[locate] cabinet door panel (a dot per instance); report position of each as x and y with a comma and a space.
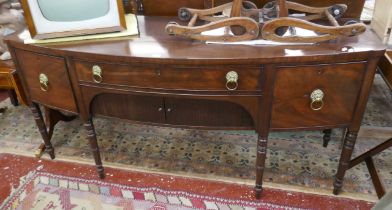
130, 107
198, 112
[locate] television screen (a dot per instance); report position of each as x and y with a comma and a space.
60, 18
73, 10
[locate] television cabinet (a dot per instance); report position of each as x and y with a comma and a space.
170, 81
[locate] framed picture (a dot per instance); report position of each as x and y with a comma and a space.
382, 20
61, 18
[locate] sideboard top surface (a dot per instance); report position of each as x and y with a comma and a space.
153, 44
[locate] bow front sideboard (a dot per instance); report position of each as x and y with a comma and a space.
170, 81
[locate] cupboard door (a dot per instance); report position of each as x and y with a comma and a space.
149, 109
206, 113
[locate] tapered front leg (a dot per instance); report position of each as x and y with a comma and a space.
260, 164
39, 120
345, 159
92, 138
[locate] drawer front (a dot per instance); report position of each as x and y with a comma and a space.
339, 83
170, 77
59, 91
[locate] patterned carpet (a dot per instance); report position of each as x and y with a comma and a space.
29, 183
49, 191
296, 159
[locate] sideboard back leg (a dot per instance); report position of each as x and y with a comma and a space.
345, 158
326, 137
53, 117
260, 164
39, 120
92, 138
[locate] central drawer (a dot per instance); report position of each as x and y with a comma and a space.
169, 77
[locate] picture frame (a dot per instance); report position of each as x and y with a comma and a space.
382, 20
47, 19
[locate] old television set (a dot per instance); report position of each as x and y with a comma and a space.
61, 18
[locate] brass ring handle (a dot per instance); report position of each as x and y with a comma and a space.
97, 74
317, 100
44, 82
232, 80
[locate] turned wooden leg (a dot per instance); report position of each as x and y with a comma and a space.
326, 137
260, 164
13, 97
92, 138
345, 158
52, 117
39, 120
344, 132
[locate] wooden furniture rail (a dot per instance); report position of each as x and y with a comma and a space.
163, 80
10, 81
385, 66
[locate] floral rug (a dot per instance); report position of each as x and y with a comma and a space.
296, 159
41, 190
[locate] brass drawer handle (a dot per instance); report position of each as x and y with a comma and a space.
97, 74
317, 100
44, 82
232, 80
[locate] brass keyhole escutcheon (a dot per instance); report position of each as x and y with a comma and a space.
97, 74
44, 82
232, 80
317, 102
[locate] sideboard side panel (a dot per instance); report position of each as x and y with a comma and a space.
59, 93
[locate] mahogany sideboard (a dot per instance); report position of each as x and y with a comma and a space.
171, 81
